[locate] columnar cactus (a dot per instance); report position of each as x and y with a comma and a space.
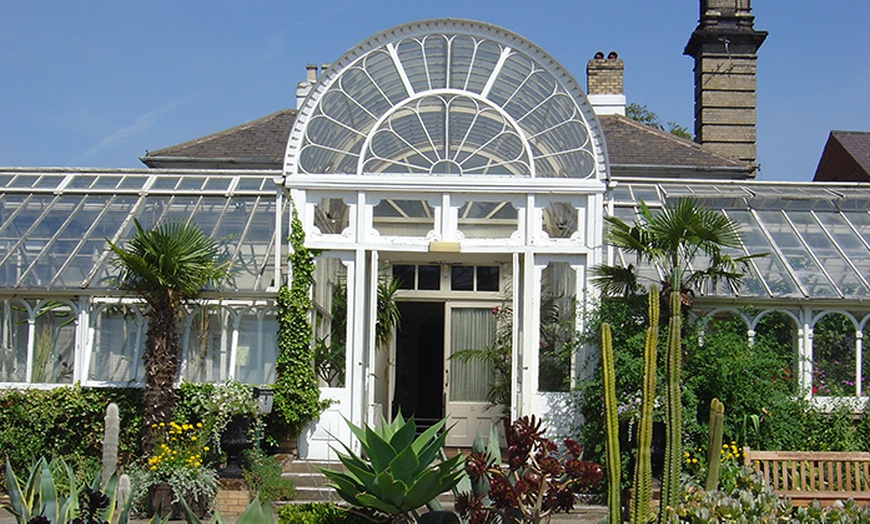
611, 428
674, 414
714, 443
110, 443
642, 482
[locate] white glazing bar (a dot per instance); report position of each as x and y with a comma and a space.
505, 53
391, 49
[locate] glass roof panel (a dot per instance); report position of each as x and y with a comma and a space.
803, 265
831, 258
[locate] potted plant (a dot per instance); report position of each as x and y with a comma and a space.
235, 410
177, 469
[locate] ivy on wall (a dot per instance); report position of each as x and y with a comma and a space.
297, 395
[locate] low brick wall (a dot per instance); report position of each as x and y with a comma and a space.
232, 497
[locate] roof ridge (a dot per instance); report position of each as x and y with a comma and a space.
219, 134
683, 142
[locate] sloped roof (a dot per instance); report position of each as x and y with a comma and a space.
846, 157
258, 144
637, 149
634, 149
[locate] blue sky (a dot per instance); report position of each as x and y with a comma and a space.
96, 83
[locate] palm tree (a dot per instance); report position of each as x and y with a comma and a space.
167, 266
674, 239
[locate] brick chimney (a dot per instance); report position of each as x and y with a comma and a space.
724, 47
604, 84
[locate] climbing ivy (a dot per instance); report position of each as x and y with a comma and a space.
297, 395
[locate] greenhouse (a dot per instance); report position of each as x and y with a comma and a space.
451, 170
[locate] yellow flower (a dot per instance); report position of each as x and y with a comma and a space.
193, 437
199, 424
205, 448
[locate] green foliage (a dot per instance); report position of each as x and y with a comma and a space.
320, 513
674, 405
642, 114
642, 482
166, 266
752, 500
297, 396
67, 423
611, 427
399, 476
262, 474
256, 512
52, 493
714, 444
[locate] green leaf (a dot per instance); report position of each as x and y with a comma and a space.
405, 465
392, 490
48, 493
367, 500
424, 489
379, 451
404, 435
16, 499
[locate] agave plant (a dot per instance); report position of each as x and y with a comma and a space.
38, 495
401, 474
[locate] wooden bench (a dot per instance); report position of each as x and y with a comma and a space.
804, 476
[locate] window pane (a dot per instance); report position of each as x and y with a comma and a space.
207, 350
13, 342
834, 356
257, 349
330, 321
560, 220
462, 278
471, 328
487, 278
558, 323
55, 343
404, 275
119, 337
429, 277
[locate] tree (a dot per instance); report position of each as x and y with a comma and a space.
167, 266
641, 114
674, 239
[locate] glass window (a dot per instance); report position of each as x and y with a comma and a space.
487, 278
558, 326
404, 218
207, 348
429, 278
482, 219
330, 321
404, 275
834, 356
471, 328
331, 216
462, 278
13, 341
54, 347
119, 339
560, 220
257, 348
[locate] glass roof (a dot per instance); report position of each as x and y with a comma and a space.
817, 237
447, 97
54, 225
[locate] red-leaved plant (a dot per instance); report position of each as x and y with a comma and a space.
538, 479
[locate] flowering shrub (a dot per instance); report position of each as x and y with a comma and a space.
730, 469
539, 478
178, 459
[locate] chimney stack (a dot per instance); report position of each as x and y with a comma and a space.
724, 47
604, 87
304, 87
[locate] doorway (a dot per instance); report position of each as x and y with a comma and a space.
419, 371
428, 384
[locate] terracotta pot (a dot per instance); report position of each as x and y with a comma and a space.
160, 497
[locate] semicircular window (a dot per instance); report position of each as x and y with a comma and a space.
446, 97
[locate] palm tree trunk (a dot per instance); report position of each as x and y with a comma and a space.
161, 368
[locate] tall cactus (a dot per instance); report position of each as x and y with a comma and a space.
642, 482
611, 428
674, 413
714, 443
110, 443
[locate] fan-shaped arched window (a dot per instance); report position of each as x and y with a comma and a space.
447, 98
